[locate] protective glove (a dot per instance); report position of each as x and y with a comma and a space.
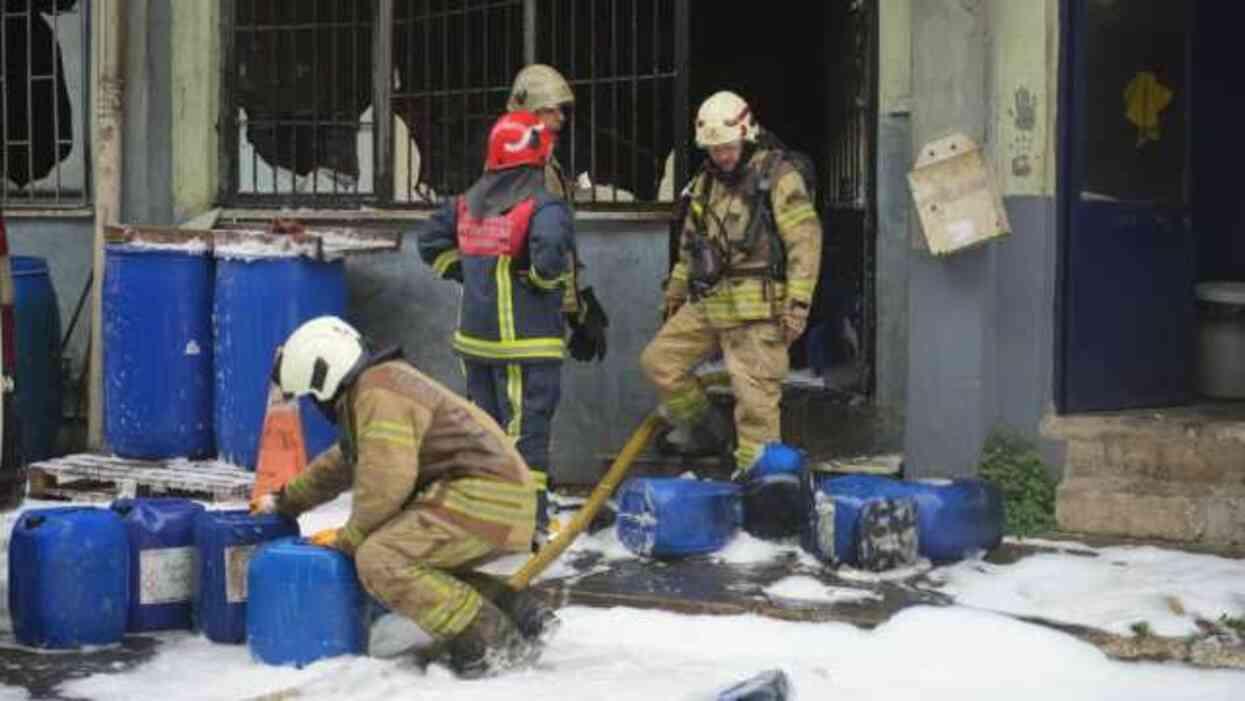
794, 319
326, 538
588, 329
264, 504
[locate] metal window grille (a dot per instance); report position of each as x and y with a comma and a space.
43, 97
624, 60
302, 76
299, 121
851, 109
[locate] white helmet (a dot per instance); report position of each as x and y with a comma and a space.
316, 357
724, 118
539, 87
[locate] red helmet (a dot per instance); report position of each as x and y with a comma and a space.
518, 139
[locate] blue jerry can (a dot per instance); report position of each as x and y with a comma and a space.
162, 548
289, 578
224, 544
68, 577
954, 517
671, 517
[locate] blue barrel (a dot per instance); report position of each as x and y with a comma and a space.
773, 506
224, 543
68, 577
162, 555
158, 353
258, 304
38, 356
670, 517
955, 518
289, 578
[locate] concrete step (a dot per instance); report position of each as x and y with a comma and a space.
1181, 511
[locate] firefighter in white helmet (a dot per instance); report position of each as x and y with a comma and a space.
749, 254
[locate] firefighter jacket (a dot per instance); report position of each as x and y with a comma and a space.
557, 184
406, 441
512, 296
780, 266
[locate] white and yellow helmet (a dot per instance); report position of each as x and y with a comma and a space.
723, 118
316, 357
539, 87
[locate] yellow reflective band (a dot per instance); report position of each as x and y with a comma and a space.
514, 392
679, 273
457, 604
351, 536
389, 431
295, 489
505, 300
746, 453
801, 290
521, 349
541, 479
445, 260
491, 488
551, 284
796, 215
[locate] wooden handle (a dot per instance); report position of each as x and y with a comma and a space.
537, 564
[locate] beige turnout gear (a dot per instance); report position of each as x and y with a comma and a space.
747, 313
438, 489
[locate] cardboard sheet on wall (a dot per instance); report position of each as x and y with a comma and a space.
957, 198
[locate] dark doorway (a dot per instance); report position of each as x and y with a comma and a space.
807, 73
1128, 255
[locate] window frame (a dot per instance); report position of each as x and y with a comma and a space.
382, 196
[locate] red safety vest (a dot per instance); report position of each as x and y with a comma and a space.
502, 235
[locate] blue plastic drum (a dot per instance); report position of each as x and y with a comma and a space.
225, 542
288, 579
258, 303
38, 356
158, 353
162, 552
68, 577
669, 517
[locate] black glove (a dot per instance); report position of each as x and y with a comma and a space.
588, 329
454, 272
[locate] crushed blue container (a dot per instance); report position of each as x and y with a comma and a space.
224, 544
289, 578
162, 554
158, 353
68, 577
671, 517
39, 388
955, 518
772, 500
258, 303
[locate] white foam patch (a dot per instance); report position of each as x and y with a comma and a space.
804, 588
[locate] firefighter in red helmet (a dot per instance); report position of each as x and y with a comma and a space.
508, 241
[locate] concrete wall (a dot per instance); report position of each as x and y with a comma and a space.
980, 323
395, 299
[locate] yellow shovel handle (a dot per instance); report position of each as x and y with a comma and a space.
537, 564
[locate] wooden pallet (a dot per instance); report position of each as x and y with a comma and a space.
87, 477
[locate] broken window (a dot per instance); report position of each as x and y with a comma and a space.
42, 87
306, 75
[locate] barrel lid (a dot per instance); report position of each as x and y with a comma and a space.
1221, 292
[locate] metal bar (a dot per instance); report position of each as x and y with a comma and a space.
592, 102
466, 97
445, 80
614, 116
382, 101
293, 38
30, 106
354, 74
572, 48
656, 95
682, 25
315, 95
635, 97
56, 104
529, 31
227, 112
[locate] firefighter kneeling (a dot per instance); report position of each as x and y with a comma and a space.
438, 490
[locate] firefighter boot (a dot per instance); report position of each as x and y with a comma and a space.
535, 619
491, 645
708, 437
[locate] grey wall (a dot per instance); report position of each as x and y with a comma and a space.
980, 322
395, 299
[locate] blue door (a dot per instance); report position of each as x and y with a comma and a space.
1128, 256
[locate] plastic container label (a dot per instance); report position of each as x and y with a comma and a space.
237, 559
166, 575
